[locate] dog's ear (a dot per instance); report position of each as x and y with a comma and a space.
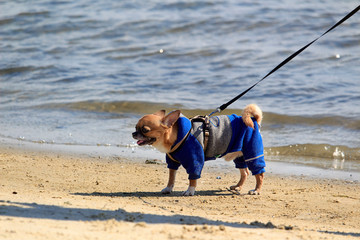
171, 118
160, 113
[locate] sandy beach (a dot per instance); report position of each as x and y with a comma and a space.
47, 195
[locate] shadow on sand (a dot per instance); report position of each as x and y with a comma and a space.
155, 194
53, 212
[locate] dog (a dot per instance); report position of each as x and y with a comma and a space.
191, 142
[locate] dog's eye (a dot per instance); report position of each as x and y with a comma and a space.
145, 129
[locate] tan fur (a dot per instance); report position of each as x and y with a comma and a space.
162, 129
231, 156
252, 110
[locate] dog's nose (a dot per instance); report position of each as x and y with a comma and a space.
134, 134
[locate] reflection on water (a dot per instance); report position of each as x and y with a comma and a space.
338, 164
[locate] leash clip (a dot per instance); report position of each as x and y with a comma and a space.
218, 110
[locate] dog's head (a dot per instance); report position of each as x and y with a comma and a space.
155, 129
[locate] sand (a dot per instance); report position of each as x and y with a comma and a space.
47, 195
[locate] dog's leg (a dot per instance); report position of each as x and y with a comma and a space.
171, 182
191, 189
244, 173
259, 183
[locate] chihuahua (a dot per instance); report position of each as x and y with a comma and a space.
191, 142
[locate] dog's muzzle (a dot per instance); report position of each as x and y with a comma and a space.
143, 140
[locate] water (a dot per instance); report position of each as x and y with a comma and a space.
80, 73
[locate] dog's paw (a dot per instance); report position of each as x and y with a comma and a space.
167, 190
254, 192
234, 189
189, 192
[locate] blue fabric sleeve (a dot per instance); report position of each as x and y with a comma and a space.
191, 156
240, 162
252, 143
194, 159
257, 166
172, 164
238, 132
253, 150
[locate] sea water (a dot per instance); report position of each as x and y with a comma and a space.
81, 73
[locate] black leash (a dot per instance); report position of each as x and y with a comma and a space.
224, 106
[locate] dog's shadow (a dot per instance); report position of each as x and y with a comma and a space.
156, 194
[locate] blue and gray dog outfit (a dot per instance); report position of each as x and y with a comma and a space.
227, 134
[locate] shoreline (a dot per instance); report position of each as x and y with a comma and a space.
278, 165
52, 195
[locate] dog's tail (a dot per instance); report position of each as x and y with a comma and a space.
252, 110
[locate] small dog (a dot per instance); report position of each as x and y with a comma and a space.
191, 142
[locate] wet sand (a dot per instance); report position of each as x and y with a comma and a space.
48, 195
